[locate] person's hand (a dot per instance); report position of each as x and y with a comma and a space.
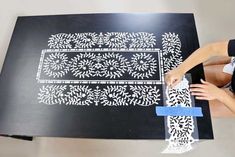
173, 77
205, 91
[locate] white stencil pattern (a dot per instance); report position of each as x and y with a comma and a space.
108, 65
142, 40
179, 95
61, 41
52, 94
85, 40
112, 95
144, 95
82, 65
142, 66
79, 95
108, 39
116, 39
171, 45
180, 128
56, 65
114, 65
97, 95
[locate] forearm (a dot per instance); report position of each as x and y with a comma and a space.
217, 60
174, 76
203, 54
227, 100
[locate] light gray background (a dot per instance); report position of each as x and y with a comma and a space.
215, 20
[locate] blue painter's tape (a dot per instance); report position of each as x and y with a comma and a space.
179, 111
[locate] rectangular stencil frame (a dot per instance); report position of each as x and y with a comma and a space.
95, 53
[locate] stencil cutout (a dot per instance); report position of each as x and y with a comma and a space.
180, 128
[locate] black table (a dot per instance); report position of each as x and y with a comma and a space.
94, 75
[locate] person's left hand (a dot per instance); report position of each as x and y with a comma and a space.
205, 91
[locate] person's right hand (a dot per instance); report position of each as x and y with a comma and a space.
173, 77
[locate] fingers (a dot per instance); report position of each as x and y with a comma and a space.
171, 81
173, 77
199, 94
200, 90
175, 82
196, 90
204, 82
202, 98
168, 79
197, 86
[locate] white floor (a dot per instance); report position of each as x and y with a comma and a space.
214, 20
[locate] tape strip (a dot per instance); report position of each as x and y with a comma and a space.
179, 111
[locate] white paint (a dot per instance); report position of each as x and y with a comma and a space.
114, 96
142, 66
171, 45
110, 39
56, 65
79, 95
110, 95
144, 95
52, 94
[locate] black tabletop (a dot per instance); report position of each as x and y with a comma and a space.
94, 75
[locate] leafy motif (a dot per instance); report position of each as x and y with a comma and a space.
79, 95
56, 65
52, 94
142, 66
144, 95
114, 96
